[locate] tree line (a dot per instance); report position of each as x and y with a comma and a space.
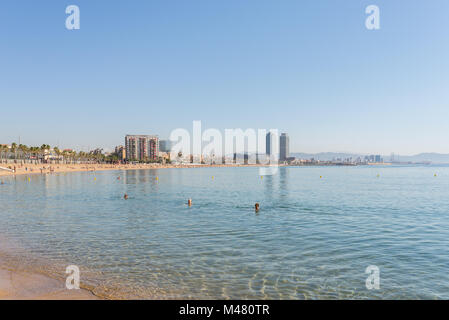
46, 153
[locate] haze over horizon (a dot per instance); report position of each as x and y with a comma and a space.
292, 152
308, 68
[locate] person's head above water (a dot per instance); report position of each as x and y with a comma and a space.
256, 206
125, 196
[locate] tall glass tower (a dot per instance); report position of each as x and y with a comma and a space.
269, 143
284, 146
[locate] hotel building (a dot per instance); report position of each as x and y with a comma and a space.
284, 147
142, 147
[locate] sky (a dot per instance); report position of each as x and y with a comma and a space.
309, 68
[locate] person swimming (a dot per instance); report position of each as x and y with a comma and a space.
189, 202
125, 197
256, 207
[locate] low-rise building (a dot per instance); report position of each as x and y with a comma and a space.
121, 152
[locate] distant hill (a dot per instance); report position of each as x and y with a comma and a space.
324, 156
328, 156
422, 157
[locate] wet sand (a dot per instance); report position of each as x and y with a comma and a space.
19, 282
19, 285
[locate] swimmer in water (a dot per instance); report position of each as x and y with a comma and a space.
256, 207
125, 197
189, 202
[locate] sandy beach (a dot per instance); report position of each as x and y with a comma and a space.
19, 285
22, 169
19, 282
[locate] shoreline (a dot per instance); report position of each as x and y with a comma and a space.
23, 285
32, 169
20, 282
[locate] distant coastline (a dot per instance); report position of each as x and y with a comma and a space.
34, 169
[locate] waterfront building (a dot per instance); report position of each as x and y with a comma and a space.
121, 152
269, 143
165, 156
165, 146
142, 147
284, 146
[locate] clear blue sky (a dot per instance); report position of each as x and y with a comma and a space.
309, 68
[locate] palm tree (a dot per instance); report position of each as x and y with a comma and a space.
14, 149
72, 155
3, 149
57, 151
34, 151
24, 150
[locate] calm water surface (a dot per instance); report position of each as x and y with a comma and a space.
312, 239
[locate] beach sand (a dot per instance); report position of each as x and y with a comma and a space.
19, 282
61, 168
18, 285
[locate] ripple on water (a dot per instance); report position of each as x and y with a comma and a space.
312, 239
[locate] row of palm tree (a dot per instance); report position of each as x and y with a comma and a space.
23, 152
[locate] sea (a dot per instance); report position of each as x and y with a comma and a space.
319, 233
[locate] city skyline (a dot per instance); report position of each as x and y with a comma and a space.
310, 69
164, 145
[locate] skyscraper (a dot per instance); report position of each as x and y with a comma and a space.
269, 143
165, 145
284, 146
141, 147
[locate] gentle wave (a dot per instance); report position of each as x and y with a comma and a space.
317, 231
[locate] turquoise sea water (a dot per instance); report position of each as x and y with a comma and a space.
312, 238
